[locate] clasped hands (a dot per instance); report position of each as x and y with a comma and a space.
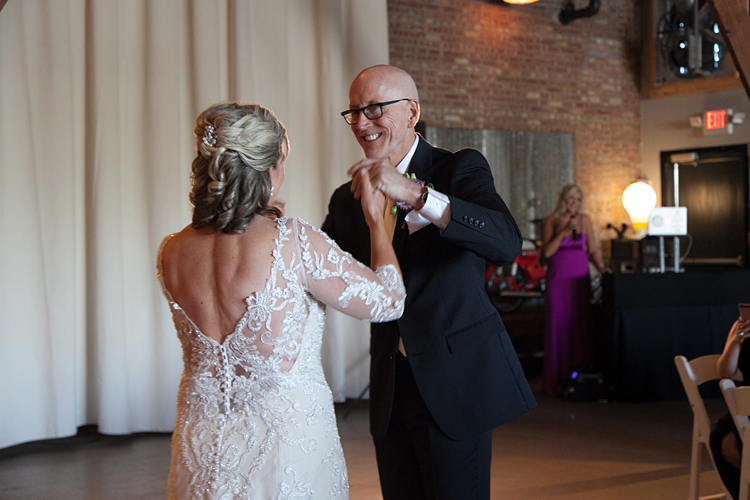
376, 179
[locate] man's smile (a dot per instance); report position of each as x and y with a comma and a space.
371, 137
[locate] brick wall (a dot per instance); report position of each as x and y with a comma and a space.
491, 65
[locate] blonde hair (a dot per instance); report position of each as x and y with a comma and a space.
237, 145
568, 190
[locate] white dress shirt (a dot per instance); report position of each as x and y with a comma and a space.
437, 208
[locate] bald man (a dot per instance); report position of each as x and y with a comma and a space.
445, 374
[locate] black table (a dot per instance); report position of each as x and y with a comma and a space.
645, 320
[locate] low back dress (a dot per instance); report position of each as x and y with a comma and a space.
255, 416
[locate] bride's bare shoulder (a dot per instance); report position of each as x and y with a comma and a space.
176, 240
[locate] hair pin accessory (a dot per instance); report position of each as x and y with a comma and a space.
209, 136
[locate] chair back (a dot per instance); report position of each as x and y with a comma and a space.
738, 402
692, 374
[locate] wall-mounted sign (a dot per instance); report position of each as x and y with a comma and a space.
715, 119
717, 122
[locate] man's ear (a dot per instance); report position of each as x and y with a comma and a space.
414, 111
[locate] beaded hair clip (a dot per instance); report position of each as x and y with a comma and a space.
209, 136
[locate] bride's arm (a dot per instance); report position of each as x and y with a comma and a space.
374, 205
337, 279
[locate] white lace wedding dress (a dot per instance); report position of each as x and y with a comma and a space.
255, 415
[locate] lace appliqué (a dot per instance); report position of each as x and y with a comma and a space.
386, 297
261, 394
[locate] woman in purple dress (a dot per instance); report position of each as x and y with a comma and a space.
568, 243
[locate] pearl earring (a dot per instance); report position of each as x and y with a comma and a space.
271, 190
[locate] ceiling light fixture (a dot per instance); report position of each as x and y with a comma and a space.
520, 2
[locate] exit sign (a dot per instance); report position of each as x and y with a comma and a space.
715, 119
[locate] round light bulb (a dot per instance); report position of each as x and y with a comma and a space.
638, 199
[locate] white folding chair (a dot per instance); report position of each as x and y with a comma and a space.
738, 402
693, 373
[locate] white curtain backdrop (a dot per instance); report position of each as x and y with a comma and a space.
97, 103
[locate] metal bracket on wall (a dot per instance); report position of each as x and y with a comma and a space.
570, 14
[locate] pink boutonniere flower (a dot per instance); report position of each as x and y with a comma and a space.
406, 206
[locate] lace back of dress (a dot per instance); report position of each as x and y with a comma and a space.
265, 343
274, 323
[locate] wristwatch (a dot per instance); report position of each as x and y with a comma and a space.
424, 199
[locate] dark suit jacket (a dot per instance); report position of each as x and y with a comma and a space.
462, 359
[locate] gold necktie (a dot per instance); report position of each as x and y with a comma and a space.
390, 217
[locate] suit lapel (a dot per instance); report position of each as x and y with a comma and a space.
420, 167
421, 162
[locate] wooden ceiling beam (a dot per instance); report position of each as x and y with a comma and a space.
733, 19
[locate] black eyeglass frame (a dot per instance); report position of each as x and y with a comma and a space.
380, 105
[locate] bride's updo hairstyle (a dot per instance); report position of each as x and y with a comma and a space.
237, 145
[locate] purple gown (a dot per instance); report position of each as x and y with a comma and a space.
567, 333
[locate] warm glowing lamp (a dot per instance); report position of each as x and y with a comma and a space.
520, 2
638, 199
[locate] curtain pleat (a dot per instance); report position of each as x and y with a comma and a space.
97, 104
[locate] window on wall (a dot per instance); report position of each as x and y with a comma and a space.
684, 51
689, 44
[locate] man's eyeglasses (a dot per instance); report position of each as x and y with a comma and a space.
372, 112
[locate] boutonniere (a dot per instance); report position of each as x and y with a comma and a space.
406, 206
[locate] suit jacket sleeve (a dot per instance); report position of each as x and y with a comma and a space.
480, 220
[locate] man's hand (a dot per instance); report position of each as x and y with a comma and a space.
384, 177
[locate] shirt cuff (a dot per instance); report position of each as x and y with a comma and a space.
437, 208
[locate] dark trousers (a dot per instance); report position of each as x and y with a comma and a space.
416, 460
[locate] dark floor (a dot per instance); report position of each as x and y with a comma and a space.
561, 450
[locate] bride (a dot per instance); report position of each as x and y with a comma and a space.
247, 289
